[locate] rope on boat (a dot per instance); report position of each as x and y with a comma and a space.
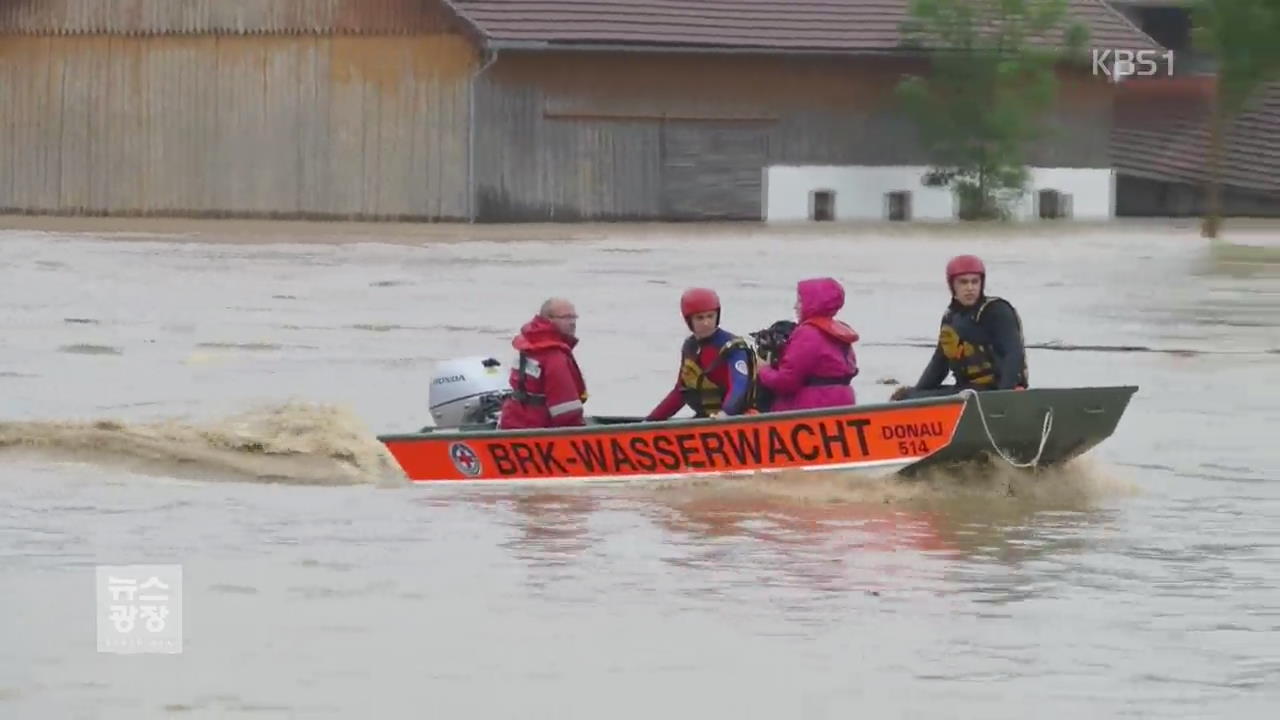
1045, 429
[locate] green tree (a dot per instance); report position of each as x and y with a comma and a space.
1244, 38
992, 78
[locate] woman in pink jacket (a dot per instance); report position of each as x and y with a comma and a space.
817, 364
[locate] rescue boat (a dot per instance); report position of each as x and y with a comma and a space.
1028, 429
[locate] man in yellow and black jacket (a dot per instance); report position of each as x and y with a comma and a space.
980, 341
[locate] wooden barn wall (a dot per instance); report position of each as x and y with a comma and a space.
528, 167
284, 125
578, 136
1079, 127
224, 17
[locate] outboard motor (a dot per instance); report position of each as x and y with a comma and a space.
468, 391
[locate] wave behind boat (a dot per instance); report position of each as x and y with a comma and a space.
295, 442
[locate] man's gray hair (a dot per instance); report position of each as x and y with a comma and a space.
550, 304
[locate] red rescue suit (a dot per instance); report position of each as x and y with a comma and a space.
547, 384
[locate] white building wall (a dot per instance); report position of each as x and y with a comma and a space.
1092, 190
860, 192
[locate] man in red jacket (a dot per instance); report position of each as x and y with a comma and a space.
547, 384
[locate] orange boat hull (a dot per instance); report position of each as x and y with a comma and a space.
873, 437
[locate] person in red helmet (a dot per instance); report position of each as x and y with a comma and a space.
548, 390
980, 341
717, 368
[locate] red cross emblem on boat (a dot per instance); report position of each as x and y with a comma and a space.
464, 458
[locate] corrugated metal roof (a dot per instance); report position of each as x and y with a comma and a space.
776, 25
1169, 140
176, 17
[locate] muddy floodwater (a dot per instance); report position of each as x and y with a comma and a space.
207, 395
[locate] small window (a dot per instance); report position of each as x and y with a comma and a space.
822, 205
898, 205
1053, 204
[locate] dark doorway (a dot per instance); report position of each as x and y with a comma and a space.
1054, 204
822, 205
898, 205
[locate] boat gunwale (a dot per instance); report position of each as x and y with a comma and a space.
766, 419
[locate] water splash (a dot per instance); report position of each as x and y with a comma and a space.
295, 442
1078, 485
977, 511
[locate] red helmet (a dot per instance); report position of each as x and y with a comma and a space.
698, 300
964, 265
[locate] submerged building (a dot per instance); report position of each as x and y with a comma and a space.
497, 110
1161, 138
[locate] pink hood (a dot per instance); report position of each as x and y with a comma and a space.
820, 297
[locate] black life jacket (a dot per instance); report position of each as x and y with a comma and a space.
969, 347
701, 393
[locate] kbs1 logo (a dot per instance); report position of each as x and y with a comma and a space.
1119, 64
